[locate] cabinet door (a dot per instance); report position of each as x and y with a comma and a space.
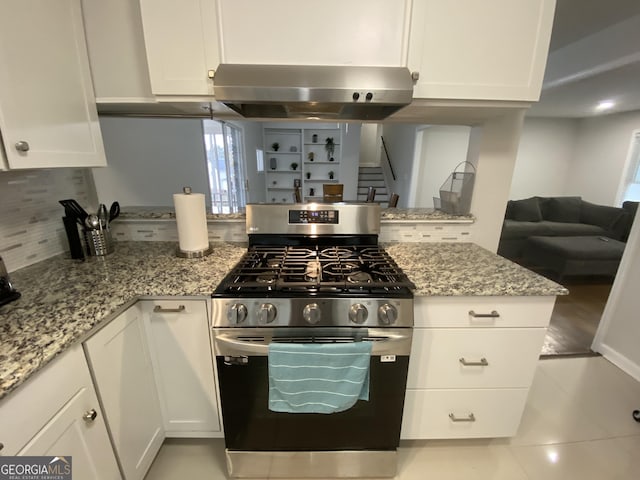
48, 116
181, 40
493, 50
183, 365
328, 32
76, 432
121, 364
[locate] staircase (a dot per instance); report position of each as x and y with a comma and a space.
372, 177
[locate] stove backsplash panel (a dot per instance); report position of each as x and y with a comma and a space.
31, 226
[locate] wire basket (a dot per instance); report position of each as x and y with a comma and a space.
456, 192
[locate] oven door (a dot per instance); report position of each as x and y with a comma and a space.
241, 356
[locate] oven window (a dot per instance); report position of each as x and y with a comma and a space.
250, 425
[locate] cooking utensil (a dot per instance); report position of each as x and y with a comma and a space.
92, 222
114, 211
103, 216
73, 206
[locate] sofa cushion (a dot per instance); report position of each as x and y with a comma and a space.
601, 215
513, 229
562, 209
526, 210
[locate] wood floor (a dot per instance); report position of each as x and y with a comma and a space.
576, 317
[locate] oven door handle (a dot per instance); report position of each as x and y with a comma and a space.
237, 342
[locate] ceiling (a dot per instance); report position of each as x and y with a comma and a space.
594, 56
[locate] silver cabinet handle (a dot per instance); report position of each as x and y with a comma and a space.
470, 418
22, 146
159, 309
493, 314
90, 415
482, 363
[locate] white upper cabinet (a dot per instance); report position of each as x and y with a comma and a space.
181, 39
490, 50
48, 116
116, 51
304, 32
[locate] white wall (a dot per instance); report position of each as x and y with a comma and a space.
253, 139
370, 144
545, 154
351, 134
618, 337
442, 148
492, 149
400, 140
601, 151
150, 159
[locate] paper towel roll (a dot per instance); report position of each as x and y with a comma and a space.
191, 217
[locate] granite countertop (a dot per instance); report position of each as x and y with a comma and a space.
450, 269
64, 300
386, 215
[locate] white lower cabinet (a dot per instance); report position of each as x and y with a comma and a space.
178, 332
472, 362
120, 360
57, 413
477, 413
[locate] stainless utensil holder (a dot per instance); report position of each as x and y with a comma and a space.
98, 242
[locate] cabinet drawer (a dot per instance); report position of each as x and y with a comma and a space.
480, 413
483, 311
441, 358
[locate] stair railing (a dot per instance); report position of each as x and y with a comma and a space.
386, 153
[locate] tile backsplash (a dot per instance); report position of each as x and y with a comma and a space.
31, 226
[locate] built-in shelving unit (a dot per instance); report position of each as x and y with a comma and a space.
316, 163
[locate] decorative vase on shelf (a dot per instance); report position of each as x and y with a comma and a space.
294, 166
308, 175
311, 156
314, 138
330, 175
329, 146
275, 146
273, 163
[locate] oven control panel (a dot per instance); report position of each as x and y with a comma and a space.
317, 311
313, 216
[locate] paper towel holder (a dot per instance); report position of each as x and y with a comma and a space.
195, 253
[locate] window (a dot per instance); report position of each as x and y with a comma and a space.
631, 183
225, 164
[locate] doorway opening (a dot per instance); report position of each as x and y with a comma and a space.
225, 166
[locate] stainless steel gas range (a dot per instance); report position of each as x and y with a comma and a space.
313, 274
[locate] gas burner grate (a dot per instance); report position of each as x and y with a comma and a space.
298, 270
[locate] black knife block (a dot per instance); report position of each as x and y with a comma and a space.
75, 244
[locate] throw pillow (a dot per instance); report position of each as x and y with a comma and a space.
563, 209
526, 210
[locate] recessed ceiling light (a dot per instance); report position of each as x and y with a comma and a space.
605, 105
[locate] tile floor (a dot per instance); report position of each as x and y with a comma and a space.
577, 425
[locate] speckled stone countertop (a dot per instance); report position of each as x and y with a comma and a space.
387, 215
64, 300
448, 269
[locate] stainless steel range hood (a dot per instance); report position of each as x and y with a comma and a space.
313, 91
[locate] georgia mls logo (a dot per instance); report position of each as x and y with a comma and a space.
35, 468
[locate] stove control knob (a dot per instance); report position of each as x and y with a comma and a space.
237, 313
358, 313
267, 313
311, 313
387, 314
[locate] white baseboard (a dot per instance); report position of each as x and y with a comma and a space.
620, 361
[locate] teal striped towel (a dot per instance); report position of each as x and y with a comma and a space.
318, 378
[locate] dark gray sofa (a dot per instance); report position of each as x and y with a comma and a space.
561, 217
